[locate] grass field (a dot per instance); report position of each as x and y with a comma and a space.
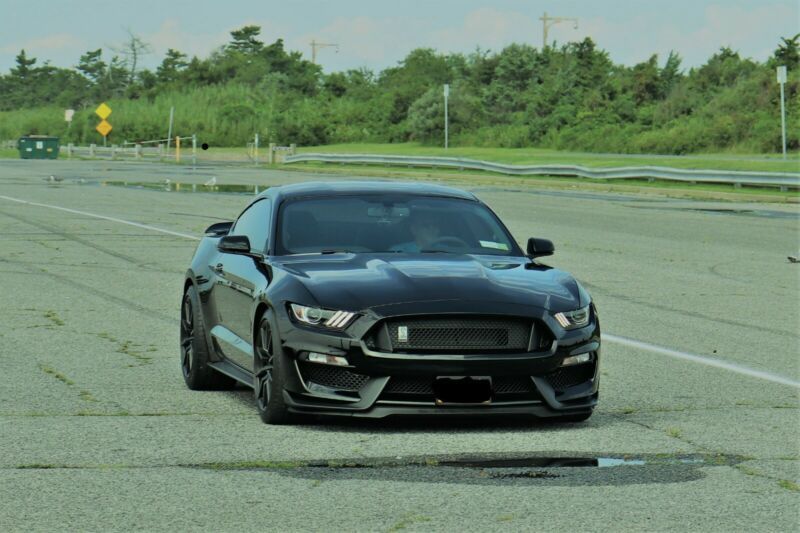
533, 156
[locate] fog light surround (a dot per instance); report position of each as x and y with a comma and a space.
327, 359
577, 359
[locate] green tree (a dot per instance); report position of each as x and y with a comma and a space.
171, 67
670, 74
24, 66
244, 40
788, 52
92, 66
426, 116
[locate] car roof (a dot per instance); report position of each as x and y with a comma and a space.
328, 188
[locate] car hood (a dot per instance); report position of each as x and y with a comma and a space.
362, 281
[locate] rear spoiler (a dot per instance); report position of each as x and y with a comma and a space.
219, 229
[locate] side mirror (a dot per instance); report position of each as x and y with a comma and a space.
540, 247
219, 229
234, 244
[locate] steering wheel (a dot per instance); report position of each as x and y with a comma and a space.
449, 242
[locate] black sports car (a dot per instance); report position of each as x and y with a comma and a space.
372, 299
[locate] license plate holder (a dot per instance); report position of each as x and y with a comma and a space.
463, 390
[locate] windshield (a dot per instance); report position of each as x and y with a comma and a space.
390, 224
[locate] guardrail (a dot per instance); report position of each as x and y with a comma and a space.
130, 151
784, 180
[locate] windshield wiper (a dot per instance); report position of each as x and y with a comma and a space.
327, 252
435, 252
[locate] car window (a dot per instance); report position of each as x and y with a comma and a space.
391, 223
254, 223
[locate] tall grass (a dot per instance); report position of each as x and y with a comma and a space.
229, 115
220, 115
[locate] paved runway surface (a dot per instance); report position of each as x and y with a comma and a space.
98, 431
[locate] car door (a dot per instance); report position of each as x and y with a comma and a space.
237, 277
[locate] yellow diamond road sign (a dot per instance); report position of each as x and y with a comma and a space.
104, 128
103, 111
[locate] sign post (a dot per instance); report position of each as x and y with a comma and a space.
104, 128
68, 114
446, 95
782, 82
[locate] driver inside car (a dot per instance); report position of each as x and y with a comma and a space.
425, 231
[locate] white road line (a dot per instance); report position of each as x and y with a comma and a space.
102, 217
708, 361
607, 337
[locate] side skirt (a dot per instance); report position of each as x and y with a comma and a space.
229, 369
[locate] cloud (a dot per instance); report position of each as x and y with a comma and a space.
488, 28
46, 46
363, 40
755, 32
172, 35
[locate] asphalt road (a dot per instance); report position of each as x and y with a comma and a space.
98, 431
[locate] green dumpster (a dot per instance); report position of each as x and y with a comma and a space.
38, 147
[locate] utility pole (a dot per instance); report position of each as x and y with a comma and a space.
782, 81
317, 46
549, 21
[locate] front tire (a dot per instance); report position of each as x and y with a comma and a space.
269, 376
197, 373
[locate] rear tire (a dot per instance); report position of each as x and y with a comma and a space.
270, 365
197, 373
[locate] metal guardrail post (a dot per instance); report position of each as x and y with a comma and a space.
138, 151
271, 155
161, 151
92, 148
292, 149
194, 150
70, 149
113, 152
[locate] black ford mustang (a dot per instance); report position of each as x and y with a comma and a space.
373, 299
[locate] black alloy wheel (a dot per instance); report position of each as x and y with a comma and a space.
268, 378
197, 373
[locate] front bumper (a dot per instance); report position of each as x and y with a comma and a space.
379, 384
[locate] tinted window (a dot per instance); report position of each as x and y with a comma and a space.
254, 222
391, 223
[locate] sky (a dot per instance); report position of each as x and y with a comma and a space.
377, 34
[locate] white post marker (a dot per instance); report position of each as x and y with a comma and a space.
446, 95
68, 114
782, 82
255, 149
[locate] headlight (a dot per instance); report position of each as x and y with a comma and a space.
315, 316
573, 319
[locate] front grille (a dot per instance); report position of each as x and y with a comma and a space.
569, 376
459, 334
332, 377
403, 385
512, 384
424, 385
